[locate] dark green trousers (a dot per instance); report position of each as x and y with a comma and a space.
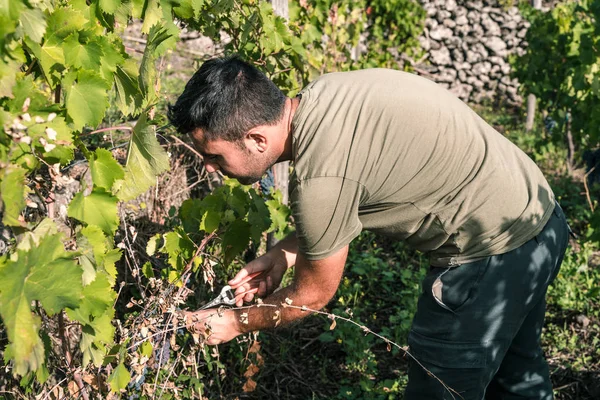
478, 325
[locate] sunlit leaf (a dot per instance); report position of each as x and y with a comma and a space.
119, 379
32, 275
14, 191
105, 169
34, 23
99, 208
87, 99
145, 161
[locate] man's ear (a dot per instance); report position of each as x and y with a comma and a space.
256, 140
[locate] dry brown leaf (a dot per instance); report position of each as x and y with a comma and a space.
57, 393
174, 344
255, 348
333, 324
251, 371
249, 386
73, 388
91, 380
260, 360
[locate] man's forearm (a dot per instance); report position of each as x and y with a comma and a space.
286, 250
314, 284
271, 313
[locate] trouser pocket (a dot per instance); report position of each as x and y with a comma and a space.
443, 368
453, 287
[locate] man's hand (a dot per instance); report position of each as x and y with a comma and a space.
262, 285
271, 268
213, 325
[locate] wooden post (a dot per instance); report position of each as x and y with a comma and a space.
531, 103
281, 8
281, 170
531, 100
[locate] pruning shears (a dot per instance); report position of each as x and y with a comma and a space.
227, 296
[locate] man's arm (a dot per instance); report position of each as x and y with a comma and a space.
271, 265
314, 284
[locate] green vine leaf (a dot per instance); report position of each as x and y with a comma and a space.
33, 23
32, 239
113, 55
14, 192
99, 208
159, 40
128, 95
279, 213
152, 15
57, 133
110, 6
24, 89
32, 275
105, 169
98, 296
8, 71
87, 98
96, 336
146, 349
81, 55
236, 239
259, 217
145, 161
119, 379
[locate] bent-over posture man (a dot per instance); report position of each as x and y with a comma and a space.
398, 155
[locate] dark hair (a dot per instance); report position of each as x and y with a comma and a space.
226, 98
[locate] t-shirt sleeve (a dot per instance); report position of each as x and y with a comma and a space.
325, 212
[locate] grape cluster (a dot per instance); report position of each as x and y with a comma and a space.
267, 183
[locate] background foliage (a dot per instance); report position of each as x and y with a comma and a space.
104, 245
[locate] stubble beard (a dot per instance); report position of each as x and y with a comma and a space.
259, 166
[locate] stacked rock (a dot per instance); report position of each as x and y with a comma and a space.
468, 45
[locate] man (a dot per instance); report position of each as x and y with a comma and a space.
396, 154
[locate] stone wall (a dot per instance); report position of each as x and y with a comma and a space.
468, 44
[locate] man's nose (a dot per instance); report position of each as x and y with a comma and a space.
211, 167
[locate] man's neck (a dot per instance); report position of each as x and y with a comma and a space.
290, 105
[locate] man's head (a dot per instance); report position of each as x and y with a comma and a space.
232, 111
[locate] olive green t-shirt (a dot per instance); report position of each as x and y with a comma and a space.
396, 154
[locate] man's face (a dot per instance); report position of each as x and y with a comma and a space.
235, 160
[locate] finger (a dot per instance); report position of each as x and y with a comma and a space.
250, 277
242, 289
244, 296
269, 284
248, 297
262, 289
251, 268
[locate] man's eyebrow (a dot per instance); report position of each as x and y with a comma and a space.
206, 154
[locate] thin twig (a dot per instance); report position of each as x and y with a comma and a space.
187, 146
110, 128
68, 357
362, 327
136, 344
199, 181
587, 189
170, 373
